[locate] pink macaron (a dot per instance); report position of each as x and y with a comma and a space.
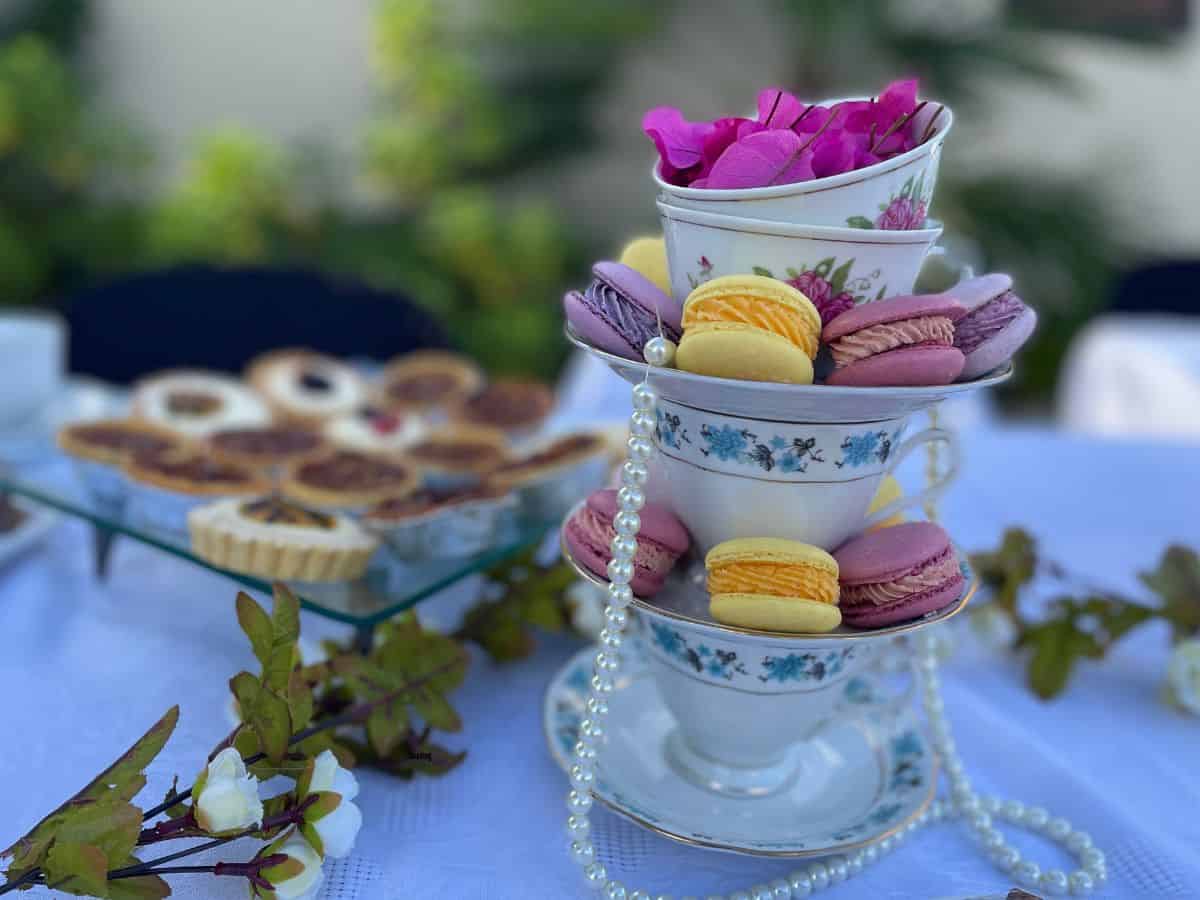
897, 574
899, 341
661, 540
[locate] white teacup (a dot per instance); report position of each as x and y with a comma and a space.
728, 477
32, 360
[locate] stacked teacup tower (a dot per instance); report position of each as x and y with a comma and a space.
723, 730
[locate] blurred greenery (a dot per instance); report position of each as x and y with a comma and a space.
472, 101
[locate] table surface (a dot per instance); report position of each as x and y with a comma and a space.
87, 666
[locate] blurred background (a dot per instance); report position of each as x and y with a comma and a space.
475, 156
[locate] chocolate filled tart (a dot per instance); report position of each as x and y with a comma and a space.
270, 445
191, 470
561, 453
429, 378
424, 501
460, 450
349, 478
114, 441
508, 404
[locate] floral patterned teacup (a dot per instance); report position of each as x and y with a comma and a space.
864, 265
727, 477
745, 702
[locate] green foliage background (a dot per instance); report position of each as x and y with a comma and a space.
510, 82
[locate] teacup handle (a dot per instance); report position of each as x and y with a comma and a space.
931, 492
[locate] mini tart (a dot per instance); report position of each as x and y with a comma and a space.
304, 386
192, 471
508, 404
198, 403
561, 453
426, 502
427, 379
114, 441
11, 517
460, 450
272, 538
374, 429
349, 479
267, 446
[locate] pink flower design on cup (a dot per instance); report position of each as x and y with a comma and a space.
902, 214
820, 292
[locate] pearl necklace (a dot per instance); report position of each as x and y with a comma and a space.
978, 814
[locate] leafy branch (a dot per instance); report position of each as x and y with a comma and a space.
1083, 623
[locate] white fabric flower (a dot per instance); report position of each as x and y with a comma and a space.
586, 602
1183, 676
225, 797
334, 832
287, 882
993, 626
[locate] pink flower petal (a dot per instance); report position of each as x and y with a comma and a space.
833, 153
777, 108
678, 141
757, 160
724, 132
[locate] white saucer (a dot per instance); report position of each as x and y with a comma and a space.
787, 402
880, 772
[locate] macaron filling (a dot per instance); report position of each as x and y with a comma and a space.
632, 321
773, 579
936, 573
652, 561
988, 320
756, 311
876, 339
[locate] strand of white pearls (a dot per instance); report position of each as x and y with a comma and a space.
978, 813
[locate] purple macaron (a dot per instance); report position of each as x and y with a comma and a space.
661, 540
997, 323
897, 574
898, 341
620, 311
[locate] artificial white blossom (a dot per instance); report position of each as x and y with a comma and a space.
225, 797
332, 832
586, 603
297, 878
1183, 676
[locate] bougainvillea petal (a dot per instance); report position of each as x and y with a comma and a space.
724, 132
832, 154
678, 141
778, 109
757, 160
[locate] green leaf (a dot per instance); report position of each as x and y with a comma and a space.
299, 701
792, 273
824, 267
859, 222
75, 868
1177, 581
272, 807
437, 712
1008, 568
285, 632
837, 281
145, 887
907, 189
113, 825
1056, 646
265, 712
385, 728
177, 810
759, 270
257, 626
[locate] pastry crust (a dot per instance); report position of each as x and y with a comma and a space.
449, 450
271, 538
77, 439
509, 404
192, 471
365, 478
197, 403
441, 379
278, 377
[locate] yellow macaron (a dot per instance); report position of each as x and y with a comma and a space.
648, 257
773, 584
749, 327
889, 491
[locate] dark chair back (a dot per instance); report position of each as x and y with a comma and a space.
1163, 287
220, 318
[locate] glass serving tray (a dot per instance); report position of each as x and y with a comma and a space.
390, 586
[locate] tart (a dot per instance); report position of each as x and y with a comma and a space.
198, 403
513, 405
442, 523
99, 449
267, 446
458, 455
428, 379
165, 486
349, 479
374, 429
11, 516
305, 386
273, 538
551, 477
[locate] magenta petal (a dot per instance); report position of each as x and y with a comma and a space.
833, 153
777, 108
814, 117
899, 98
724, 132
678, 141
699, 183
864, 158
756, 160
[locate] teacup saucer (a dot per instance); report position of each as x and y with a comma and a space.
787, 402
878, 772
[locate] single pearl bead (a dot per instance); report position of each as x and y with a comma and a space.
991, 839
659, 351
623, 546
855, 863
643, 396
1036, 817
578, 826
1098, 874
780, 889
990, 804
617, 618
640, 449
627, 523
819, 875
761, 892
607, 662
1058, 828
583, 852
611, 639
642, 423
620, 595
584, 751
631, 499
979, 821
1006, 859
801, 884
602, 684
1078, 841
870, 855
591, 728
582, 777
1080, 884
1054, 882
614, 890
620, 571
885, 846
639, 895
1013, 810
595, 875
965, 798
839, 871
579, 802
597, 706
634, 474
1028, 874
1091, 857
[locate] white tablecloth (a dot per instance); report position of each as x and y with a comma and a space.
86, 666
